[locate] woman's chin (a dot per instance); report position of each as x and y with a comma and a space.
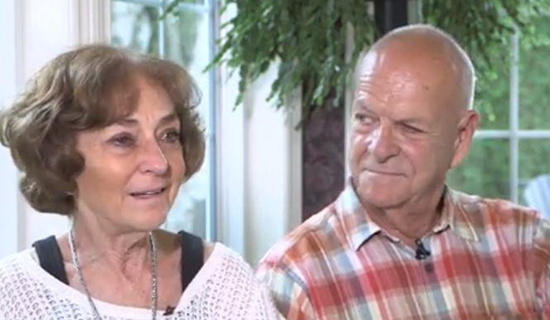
148, 221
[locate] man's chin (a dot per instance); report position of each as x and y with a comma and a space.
378, 199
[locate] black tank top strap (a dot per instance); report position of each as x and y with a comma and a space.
49, 256
192, 257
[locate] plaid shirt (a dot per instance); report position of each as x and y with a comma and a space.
489, 260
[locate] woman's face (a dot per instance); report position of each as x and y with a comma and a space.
133, 168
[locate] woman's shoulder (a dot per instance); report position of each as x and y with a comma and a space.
14, 263
18, 269
231, 286
222, 256
19, 286
225, 269
215, 250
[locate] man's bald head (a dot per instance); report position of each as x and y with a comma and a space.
428, 49
411, 122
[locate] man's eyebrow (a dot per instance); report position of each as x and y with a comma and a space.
412, 121
361, 104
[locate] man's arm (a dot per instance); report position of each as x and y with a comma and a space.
288, 290
542, 264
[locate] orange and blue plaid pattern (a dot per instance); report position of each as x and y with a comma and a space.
489, 260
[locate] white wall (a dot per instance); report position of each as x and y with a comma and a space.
32, 33
270, 188
46, 32
8, 174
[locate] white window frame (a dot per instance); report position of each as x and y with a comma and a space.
514, 133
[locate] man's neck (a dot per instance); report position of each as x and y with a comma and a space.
410, 221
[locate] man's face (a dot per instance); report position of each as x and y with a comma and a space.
405, 132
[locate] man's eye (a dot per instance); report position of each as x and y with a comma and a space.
363, 118
122, 140
411, 129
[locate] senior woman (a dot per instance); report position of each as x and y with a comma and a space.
106, 137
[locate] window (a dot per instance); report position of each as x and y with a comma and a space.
186, 37
513, 144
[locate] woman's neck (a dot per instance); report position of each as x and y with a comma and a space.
121, 251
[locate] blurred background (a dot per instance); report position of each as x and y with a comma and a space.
272, 163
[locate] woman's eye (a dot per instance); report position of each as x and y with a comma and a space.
172, 136
122, 140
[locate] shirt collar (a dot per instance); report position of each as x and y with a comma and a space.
455, 214
463, 212
358, 226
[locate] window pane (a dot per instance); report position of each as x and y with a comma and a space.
194, 1
533, 164
187, 42
485, 171
535, 81
135, 26
192, 206
492, 98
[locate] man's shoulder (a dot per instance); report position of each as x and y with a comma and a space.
305, 241
484, 213
475, 204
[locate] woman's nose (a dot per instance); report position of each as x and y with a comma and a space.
153, 159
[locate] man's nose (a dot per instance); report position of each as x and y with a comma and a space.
383, 145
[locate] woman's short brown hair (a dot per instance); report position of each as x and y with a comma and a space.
89, 87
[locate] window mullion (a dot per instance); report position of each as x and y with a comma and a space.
162, 30
514, 117
211, 220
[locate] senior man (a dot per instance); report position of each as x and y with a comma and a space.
398, 243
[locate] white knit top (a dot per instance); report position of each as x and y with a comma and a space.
224, 288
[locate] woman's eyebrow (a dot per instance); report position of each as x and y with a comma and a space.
172, 117
132, 122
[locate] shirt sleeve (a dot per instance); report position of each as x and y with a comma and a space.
542, 264
288, 290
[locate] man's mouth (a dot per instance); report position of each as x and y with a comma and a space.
384, 172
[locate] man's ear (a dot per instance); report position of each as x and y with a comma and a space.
466, 129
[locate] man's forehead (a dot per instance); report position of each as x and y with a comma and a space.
386, 85
380, 68
368, 63
404, 80
406, 57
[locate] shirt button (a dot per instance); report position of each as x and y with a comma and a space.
429, 267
